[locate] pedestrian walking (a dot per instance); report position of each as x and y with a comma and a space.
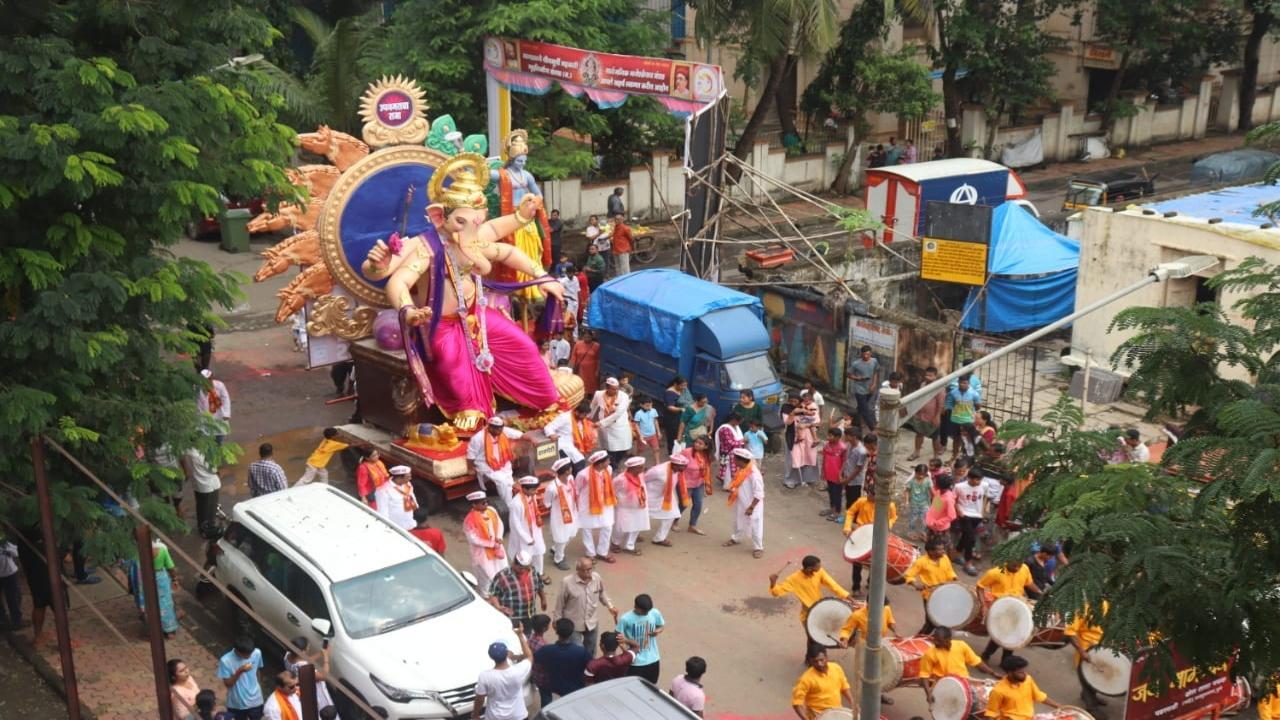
491, 454
563, 662
615, 206
927, 422
697, 478
561, 498
580, 598
642, 626
616, 656
500, 690
596, 502
631, 516
971, 498
484, 532
865, 373
834, 453
396, 500
687, 688
318, 461
161, 564
962, 402
746, 497
239, 670
10, 586
525, 526
666, 492
265, 474
514, 588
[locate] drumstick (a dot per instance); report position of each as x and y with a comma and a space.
784, 567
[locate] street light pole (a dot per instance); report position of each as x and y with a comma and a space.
895, 410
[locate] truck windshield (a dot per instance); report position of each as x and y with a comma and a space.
749, 373
400, 595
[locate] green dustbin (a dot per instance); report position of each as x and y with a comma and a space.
234, 223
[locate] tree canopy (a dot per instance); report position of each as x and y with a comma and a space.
120, 123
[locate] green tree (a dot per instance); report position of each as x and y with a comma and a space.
1262, 23
116, 132
859, 77
1187, 549
1268, 135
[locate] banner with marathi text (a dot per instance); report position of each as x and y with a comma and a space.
531, 67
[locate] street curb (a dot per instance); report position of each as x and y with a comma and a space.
46, 671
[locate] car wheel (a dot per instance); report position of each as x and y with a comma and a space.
236, 618
347, 709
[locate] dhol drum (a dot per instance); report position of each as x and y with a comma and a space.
1010, 622
1106, 671
1066, 712
857, 549
953, 605
1241, 695
901, 660
1053, 637
956, 698
824, 621
978, 626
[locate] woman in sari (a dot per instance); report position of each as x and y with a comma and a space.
695, 421
163, 567
697, 478
674, 400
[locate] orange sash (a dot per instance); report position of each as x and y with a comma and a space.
562, 490
406, 495
668, 490
215, 402
584, 436
738, 478
635, 487
504, 454
485, 525
532, 518
286, 708
597, 498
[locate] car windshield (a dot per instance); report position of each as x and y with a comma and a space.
750, 373
1083, 194
393, 597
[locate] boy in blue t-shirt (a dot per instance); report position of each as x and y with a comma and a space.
756, 439
646, 419
642, 626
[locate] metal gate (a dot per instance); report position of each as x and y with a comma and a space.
927, 132
1008, 383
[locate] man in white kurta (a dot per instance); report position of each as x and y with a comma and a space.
610, 407
396, 499
491, 453
526, 525
562, 499
484, 531
746, 497
570, 428
663, 486
632, 514
594, 487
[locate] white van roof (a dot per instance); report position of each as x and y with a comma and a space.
932, 169
341, 535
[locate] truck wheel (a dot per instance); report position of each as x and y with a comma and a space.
350, 459
434, 495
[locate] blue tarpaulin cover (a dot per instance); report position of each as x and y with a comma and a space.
1032, 275
1233, 204
657, 306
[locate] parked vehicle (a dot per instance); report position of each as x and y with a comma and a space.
899, 194
1107, 189
409, 633
660, 323
628, 698
1233, 166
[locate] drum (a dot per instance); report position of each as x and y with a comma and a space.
824, 621
1241, 694
952, 605
1107, 671
1066, 712
978, 626
1053, 637
1010, 622
901, 660
857, 549
956, 698
835, 714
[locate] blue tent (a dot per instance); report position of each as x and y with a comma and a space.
1031, 278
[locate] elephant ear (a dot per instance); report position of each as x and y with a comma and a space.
477, 143
436, 213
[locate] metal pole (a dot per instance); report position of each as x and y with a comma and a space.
886, 481
155, 633
307, 687
52, 558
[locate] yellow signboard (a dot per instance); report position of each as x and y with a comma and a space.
953, 261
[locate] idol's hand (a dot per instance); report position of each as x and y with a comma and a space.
379, 254
418, 316
553, 287
529, 207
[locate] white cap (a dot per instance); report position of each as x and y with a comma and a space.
400, 470
679, 459
742, 453
561, 464
497, 421
528, 480
477, 495
611, 382
597, 456
804, 393
207, 373
636, 461
523, 558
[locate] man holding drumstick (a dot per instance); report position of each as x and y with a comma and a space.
822, 687
1015, 697
927, 572
948, 657
1083, 636
1014, 578
863, 512
806, 584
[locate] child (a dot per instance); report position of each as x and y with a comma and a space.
320, 457
756, 439
646, 419
936, 470
833, 454
919, 495
541, 679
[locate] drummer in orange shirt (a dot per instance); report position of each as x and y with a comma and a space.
1014, 578
1015, 697
927, 572
948, 657
1083, 636
857, 623
863, 512
822, 687
1269, 706
806, 584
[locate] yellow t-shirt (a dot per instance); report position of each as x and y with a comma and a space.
1269, 706
1001, 582
863, 512
323, 453
817, 691
955, 660
1088, 635
931, 572
1014, 702
807, 589
858, 621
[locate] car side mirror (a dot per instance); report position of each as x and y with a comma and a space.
323, 627
471, 579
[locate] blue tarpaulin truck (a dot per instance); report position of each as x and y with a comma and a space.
660, 323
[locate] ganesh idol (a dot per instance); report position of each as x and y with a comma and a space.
461, 350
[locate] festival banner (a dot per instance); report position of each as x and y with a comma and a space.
531, 67
1190, 692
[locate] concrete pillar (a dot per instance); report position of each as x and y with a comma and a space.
1229, 102
973, 125
1064, 147
1187, 117
1204, 97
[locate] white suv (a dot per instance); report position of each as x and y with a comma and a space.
409, 633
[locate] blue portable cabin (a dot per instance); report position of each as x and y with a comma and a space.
659, 323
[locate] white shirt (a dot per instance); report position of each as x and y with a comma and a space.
503, 691
224, 412
204, 479
1137, 454
561, 426
817, 399
475, 448
994, 489
391, 504
615, 428
271, 709
8, 559
969, 499
559, 350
